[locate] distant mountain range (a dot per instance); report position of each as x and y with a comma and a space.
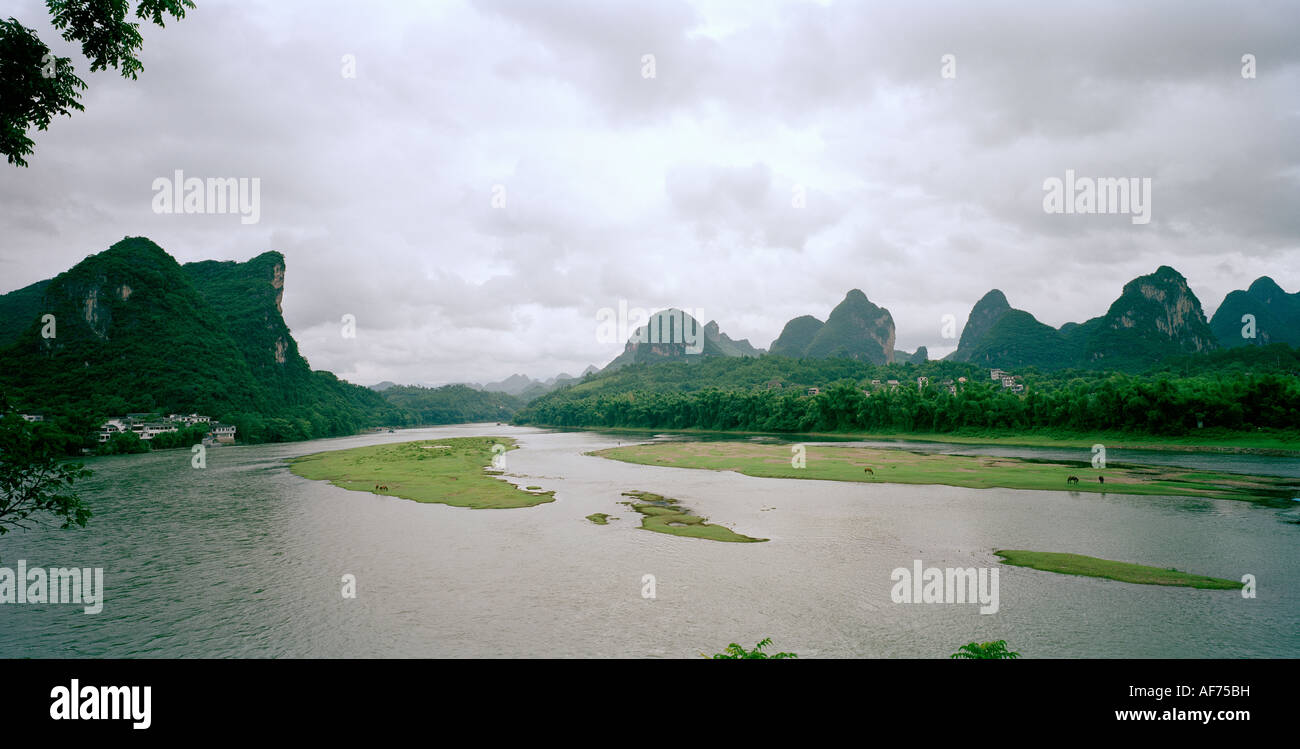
527, 388
518, 385
129, 330
1155, 317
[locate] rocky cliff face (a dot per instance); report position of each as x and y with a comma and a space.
277, 283
1156, 315
248, 298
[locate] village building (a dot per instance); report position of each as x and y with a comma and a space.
223, 433
146, 426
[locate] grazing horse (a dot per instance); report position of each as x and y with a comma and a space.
1101, 479
868, 470
1072, 480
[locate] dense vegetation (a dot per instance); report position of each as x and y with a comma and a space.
451, 404
735, 652
1240, 389
136, 332
1276, 313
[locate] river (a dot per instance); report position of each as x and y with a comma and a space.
244, 559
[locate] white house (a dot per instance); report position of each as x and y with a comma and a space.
156, 428
224, 433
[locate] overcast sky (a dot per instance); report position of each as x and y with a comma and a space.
781, 154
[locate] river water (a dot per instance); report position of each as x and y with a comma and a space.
244, 559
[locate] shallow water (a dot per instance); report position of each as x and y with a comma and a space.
245, 559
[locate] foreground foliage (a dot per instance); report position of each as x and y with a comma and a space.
734, 652
33, 481
996, 650
36, 85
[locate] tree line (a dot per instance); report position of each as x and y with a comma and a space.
1161, 403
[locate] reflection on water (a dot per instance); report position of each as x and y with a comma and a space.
244, 559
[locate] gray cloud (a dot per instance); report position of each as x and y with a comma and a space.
676, 190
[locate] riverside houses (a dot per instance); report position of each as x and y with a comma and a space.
146, 426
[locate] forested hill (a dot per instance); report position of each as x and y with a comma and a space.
1235, 390
1156, 316
134, 331
452, 404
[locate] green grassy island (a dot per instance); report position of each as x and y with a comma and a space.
896, 466
1078, 564
447, 471
664, 515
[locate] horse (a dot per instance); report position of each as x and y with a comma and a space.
1072, 480
1101, 479
868, 470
